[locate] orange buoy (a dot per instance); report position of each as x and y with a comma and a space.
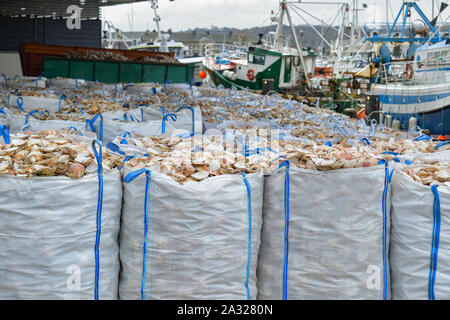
442, 138
361, 114
202, 74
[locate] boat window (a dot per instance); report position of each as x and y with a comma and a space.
175, 50
257, 59
297, 61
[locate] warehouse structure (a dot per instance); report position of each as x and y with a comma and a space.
45, 22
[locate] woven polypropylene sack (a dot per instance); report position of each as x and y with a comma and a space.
197, 241
337, 239
17, 123
66, 83
412, 240
31, 102
48, 233
189, 119
112, 129
427, 157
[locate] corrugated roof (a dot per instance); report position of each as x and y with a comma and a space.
57, 8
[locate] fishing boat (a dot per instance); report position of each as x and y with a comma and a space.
414, 92
162, 43
271, 61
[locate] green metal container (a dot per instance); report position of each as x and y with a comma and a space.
115, 72
107, 72
82, 70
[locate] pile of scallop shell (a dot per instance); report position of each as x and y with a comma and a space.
313, 156
195, 159
157, 59
43, 114
95, 55
406, 146
92, 105
50, 153
429, 175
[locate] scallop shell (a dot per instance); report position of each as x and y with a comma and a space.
83, 158
43, 170
200, 175
18, 142
76, 171
443, 175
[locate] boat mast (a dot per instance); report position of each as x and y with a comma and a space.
279, 38
284, 7
157, 18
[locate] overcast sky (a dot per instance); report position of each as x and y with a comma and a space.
185, 14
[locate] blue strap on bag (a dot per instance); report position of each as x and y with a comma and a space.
435, 243
115, 148
19, 102
438, 146
422, 138
63, 97
32, 113
249, 193
90, 125
4, 131
286, 226
79, 107
387, 182
99, 157
129, 178
164, 120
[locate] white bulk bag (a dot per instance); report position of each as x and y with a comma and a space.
20, 122
188, 118
127, 115
336, 227
416, 222
145, 88
32, 102
112, 128
66, 83
197, 242
48, 237
28, 82
105, 88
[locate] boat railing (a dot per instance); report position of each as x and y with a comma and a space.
413, 72
224, 53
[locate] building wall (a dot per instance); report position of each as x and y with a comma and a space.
47, 31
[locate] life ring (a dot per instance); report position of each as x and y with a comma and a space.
409, 72
251, 74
